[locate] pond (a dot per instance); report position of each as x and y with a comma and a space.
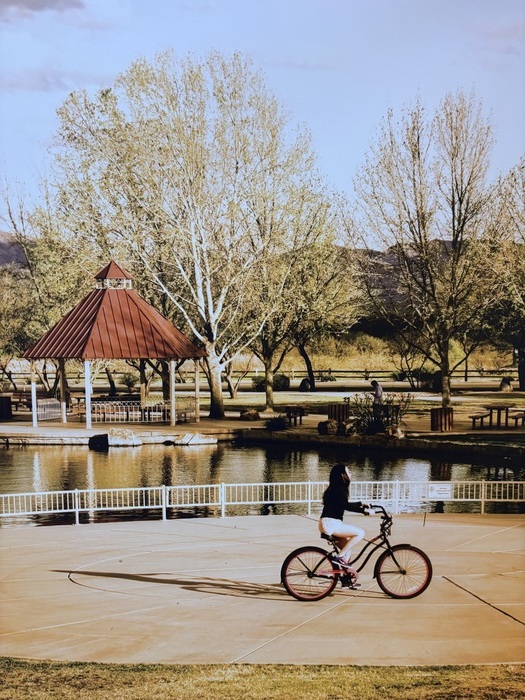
55, 468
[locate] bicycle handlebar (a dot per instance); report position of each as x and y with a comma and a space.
384, 514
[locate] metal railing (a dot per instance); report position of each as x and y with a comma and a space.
394, 495
154, 411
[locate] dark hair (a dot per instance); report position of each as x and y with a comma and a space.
337, 482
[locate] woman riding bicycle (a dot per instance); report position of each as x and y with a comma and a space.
335, 502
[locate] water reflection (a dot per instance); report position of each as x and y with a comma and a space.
54, 468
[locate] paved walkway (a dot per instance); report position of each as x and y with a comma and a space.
208, 591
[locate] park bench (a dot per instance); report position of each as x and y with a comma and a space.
479, 417
295, 413
23, 398
518, 416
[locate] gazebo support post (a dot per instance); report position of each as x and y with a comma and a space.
197, 393
63, 404
142, 374
173, 405
34, 408
88, 389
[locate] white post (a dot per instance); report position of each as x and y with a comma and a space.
197, 393
88, 390
396, 497
173, 405
63, 405
34, 409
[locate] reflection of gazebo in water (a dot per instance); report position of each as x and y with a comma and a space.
113, 322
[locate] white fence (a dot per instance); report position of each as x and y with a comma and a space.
396, 496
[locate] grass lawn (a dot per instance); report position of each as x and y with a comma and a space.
87, 681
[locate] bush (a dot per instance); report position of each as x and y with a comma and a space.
258, 383
281, 382
428, 381
129, 380
370, 419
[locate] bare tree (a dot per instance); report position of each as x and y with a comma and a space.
507, 254
424, 202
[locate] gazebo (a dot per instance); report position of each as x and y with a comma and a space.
112, 322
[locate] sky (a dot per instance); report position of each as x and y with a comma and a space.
336, 66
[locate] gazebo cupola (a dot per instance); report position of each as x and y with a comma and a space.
113, 277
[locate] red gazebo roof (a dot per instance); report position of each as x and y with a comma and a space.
114, 323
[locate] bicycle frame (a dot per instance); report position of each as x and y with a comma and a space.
380, 541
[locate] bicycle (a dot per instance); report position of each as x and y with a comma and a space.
401, 571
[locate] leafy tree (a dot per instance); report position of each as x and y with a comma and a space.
191, 172
424, 200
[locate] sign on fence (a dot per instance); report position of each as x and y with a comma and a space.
440, 492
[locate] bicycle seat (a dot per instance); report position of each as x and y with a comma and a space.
324, 536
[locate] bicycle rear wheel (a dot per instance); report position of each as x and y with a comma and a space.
404, 574
308, 574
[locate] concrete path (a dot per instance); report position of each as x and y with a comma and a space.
208, 591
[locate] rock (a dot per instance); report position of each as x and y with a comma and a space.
123, 437
115, 437
304, 385
328, 427
346, 427
250, 414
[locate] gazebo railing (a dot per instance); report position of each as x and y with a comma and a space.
115, 411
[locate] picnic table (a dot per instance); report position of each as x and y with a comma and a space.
498, 414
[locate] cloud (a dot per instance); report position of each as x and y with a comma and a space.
46, 80
12, 10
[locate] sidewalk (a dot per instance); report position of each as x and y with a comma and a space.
208, 591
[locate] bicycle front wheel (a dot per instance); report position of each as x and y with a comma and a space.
404, 573
308, 574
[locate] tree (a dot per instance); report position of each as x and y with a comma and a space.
423, 198
191, 171
507, 253
315, 300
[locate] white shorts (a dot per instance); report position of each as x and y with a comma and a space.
332, 526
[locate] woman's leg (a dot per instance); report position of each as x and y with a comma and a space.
348, 536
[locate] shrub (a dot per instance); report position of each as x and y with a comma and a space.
129, 380
258, 383
281, 382
371, 419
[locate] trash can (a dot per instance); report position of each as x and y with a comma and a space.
441, 419
339, 412
6, 409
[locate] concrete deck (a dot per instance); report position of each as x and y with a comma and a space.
208, 591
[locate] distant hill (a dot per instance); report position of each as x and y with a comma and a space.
11, 253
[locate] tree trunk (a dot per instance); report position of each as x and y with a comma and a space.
111, 380
214, 381
232, 387
446, 392
268, 376
521, 368
309, 368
